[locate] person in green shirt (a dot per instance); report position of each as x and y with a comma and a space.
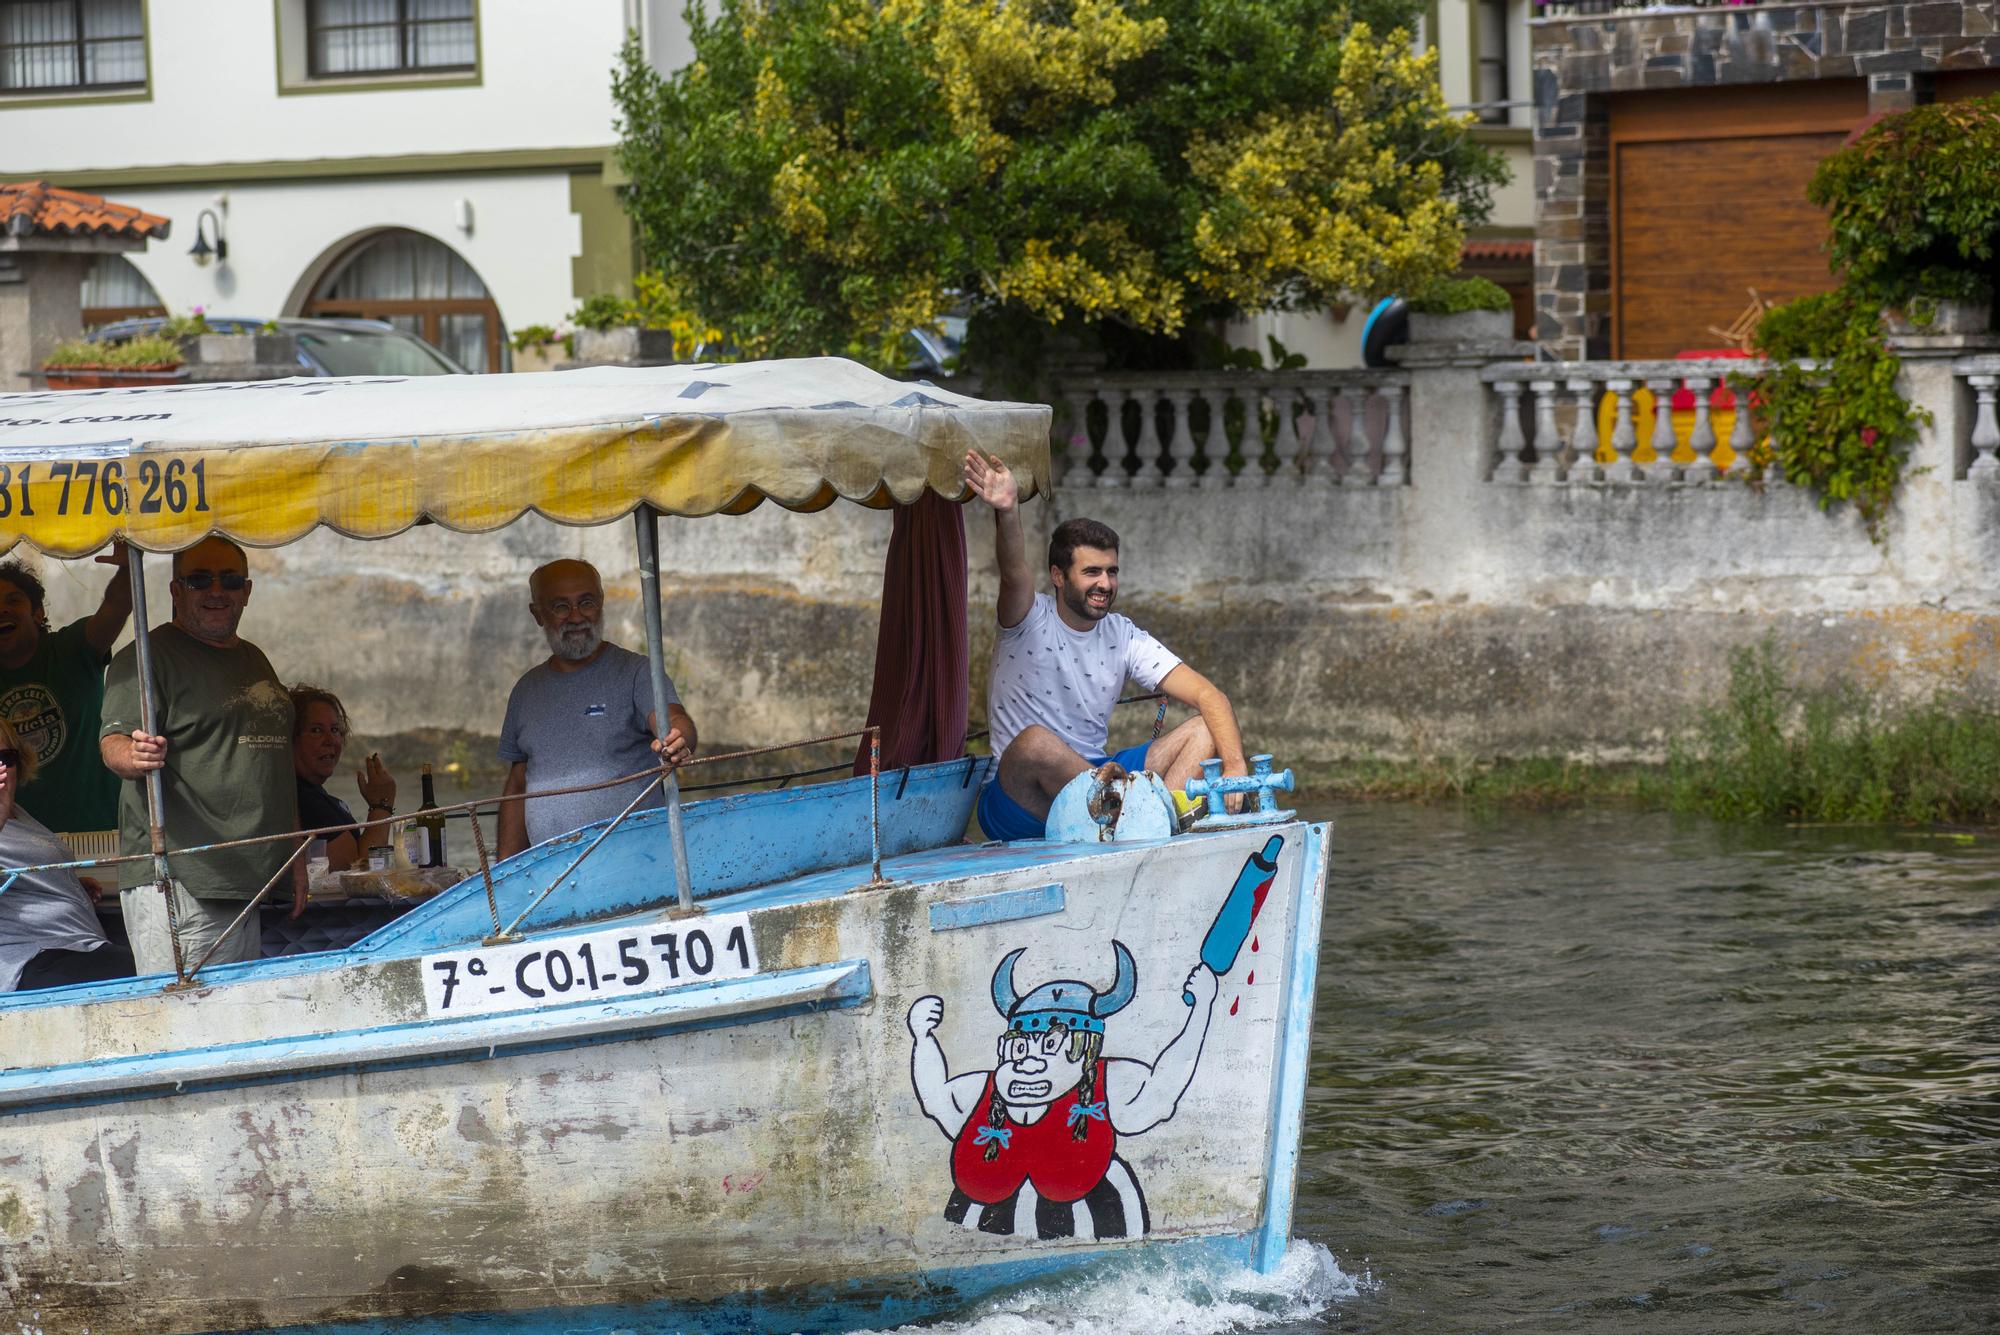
52, 692
224, 752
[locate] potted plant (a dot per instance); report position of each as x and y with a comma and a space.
1462, 310
538, 347
144, 360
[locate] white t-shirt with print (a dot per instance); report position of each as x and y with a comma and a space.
1068, 680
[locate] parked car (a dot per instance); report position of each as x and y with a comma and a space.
326, 347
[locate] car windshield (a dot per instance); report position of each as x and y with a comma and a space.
371, 352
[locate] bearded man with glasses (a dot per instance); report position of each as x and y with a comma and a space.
224, 752
582, 716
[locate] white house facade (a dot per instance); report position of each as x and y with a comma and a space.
443, 164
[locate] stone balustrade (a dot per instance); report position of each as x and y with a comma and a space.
1238, 429
1982, 378
1596, 424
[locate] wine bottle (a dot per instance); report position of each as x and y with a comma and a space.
431, 821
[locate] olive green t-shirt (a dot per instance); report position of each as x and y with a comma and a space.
53, 700
228, 725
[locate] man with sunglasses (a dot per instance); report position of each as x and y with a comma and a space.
582, 716
224, 750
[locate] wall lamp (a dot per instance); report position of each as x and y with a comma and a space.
202, 251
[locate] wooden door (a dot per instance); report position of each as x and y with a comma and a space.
1708, 203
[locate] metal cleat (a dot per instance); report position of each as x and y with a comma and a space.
1260, 780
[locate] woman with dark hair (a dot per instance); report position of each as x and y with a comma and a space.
49, 934
319, 736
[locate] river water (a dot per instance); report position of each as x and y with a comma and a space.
1604, 1070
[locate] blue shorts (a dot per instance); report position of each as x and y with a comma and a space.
1004, 818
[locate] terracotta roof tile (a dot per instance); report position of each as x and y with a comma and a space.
1501, 251
29, 208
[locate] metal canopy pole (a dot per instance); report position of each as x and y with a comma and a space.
142, 642
646, 523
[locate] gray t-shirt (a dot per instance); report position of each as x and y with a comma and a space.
582, 727
44, 910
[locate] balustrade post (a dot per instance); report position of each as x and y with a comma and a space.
1624, 435
1547, 467
1664, 469
1394, 448
1509, 468
1985, 427
1324, 469
1076, 455
1285, 445
1702, 439
1215, 449
1583, 432
1180, 449
1742, 435
1152, 452
1360, 471
1114, 474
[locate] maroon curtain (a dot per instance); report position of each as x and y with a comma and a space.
921, 653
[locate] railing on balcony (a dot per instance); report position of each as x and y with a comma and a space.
1241, 429
1982, 377
1597, 423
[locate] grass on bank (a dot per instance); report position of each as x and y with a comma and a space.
1771, 750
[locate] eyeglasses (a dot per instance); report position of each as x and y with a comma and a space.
10, 758
202, 580
562, 607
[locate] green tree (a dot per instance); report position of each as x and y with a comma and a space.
829, 173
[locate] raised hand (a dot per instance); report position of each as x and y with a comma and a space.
378, 790
991, 480
926, 1013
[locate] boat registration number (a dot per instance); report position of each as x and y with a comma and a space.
568, 969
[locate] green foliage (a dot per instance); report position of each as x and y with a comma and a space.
191, 325
1455, 296
827, 174
533, 336
1914, 205
604, 311
1775, 751
146, 350
75, 352
1829, 413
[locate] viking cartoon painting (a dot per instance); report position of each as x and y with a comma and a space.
1035, 1139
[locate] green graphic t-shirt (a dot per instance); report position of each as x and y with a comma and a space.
228, 725
53, 700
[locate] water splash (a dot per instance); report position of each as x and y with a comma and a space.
1139, 1294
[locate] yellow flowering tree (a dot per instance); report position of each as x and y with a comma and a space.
828, 174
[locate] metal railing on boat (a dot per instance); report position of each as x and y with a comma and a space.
657, 777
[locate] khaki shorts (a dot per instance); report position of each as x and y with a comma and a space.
202, 924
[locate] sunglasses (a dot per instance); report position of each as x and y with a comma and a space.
9, 758
202, 580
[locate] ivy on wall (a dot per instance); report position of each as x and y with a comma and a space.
1913, 209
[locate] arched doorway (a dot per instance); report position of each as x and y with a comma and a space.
418, 284
113, 289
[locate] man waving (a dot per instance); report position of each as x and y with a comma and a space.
1060, 661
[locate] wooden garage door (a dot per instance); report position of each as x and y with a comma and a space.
1708, 202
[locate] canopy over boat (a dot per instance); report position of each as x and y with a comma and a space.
266, 462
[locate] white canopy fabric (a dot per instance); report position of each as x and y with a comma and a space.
265, 462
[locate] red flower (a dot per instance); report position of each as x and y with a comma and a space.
1868, 434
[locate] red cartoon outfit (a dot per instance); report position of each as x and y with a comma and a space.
1045, 1152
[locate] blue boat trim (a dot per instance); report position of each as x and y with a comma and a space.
439, 1041
1294, 1056
1005, 906
874, 1302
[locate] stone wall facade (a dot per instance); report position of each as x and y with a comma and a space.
1581, 59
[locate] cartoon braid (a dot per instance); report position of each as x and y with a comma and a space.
996, 1117
1088, 1046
